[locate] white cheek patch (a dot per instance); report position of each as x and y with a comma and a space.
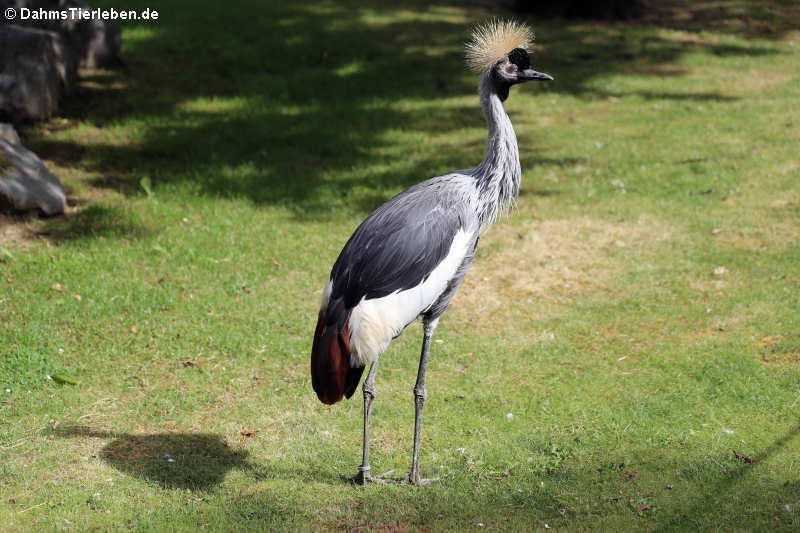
374, 323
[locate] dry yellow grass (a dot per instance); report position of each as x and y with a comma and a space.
549, 262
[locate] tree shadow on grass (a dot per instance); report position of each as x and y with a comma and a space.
95, 220
770, 19
293, 104
86, 221
267, 101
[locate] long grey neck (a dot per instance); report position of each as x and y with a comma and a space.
499, 174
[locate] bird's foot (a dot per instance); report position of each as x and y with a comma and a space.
414, 479
363, 477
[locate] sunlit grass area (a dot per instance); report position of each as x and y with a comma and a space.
623, 355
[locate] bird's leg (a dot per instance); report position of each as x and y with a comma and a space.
419, 400
363, 476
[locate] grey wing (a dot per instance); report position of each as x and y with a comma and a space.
398, 246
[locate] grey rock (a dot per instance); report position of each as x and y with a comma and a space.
94, 43
105, 41
34, 72
39, 58
97, 41
25, 182
8, 133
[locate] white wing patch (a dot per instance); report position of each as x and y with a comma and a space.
326, 295
374, 323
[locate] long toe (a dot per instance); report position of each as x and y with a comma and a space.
414, 479
363, 478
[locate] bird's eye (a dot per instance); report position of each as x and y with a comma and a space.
512, 68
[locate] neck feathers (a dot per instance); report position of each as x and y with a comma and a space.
499, 174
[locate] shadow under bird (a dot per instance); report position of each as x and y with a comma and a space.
408, 258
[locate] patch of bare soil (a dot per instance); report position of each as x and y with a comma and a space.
23, 230
19, 230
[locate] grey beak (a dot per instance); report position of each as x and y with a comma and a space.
532, 75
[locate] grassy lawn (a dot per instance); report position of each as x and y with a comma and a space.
635, 321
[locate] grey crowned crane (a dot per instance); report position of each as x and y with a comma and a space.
408, 258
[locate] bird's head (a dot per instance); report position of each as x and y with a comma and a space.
516, 68
499, 48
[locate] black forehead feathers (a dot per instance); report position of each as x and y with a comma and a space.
520, 58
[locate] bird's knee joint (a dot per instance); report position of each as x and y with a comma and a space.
369, 390
429, 326
420, 394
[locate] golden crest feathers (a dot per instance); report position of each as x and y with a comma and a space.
492, 40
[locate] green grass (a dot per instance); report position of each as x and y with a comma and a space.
215, 179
